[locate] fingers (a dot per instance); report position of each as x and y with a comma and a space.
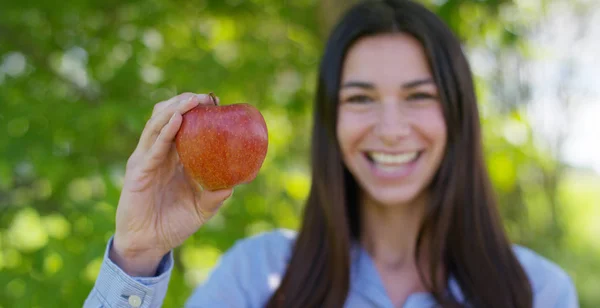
160, 150
162, 115
145, 141
162, 105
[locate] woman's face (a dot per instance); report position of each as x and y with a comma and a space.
391, 128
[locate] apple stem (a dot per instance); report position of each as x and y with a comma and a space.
214, 98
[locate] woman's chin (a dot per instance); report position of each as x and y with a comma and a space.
393, 199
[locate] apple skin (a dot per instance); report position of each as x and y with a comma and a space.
221, 146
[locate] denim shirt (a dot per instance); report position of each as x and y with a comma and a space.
249, 272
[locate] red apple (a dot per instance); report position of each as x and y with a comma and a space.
221, 146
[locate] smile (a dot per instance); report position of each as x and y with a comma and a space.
393, 165
393, 159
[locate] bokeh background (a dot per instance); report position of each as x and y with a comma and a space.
78, 80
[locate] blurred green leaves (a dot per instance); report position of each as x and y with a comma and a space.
26, 232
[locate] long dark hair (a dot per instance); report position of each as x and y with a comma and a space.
465, 234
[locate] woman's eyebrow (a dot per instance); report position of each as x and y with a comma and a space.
359, 84
370, 86
416, 83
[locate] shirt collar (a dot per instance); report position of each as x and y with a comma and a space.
365, 278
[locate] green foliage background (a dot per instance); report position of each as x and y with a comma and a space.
82, 78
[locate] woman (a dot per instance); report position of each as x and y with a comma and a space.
401, 212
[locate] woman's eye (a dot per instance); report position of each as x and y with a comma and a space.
359, 99
420, 96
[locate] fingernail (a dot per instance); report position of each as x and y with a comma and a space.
201, 96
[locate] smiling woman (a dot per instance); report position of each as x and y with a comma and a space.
391, 127
400, 213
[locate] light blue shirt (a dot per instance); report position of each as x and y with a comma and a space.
250, 271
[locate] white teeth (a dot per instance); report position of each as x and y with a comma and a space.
393, 159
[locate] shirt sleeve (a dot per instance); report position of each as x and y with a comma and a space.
570, 298
558, 292
115, 288
552, 285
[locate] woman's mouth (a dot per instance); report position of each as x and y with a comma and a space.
392, 165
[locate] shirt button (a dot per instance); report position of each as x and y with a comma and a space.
135, 301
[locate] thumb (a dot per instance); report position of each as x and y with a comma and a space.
207, 201
212, 200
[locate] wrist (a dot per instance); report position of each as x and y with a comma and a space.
135, 263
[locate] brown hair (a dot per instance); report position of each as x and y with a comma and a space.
466, 236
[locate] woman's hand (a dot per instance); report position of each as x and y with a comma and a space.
160, 206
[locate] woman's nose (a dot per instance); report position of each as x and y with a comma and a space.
392, 125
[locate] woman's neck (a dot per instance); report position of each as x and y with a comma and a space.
389, 233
